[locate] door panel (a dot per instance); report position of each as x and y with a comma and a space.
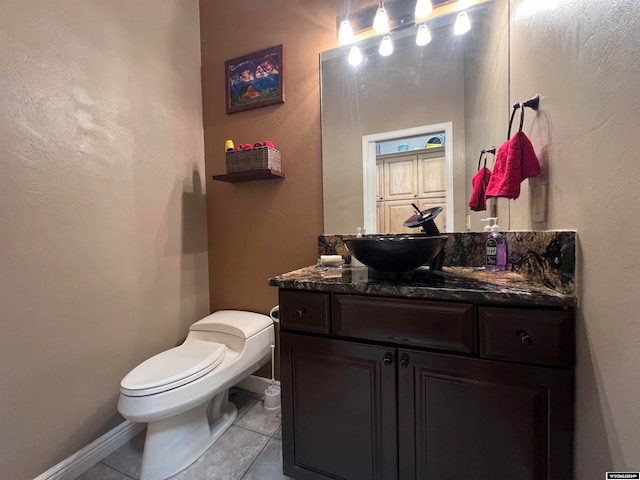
338, 409
470, 418
396, 213
431, 175
401, 178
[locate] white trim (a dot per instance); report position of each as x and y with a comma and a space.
85, 458
255, 384
369, 169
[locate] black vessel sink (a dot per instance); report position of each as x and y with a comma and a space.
398, 252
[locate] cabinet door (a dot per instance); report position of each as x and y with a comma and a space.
431, 177
395, 213
338, 409
401, 178
440, 220
380, 219
379, 180
470, 418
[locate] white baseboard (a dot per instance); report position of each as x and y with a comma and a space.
255, 384
85, 458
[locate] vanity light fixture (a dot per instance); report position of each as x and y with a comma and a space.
386, 47
345, 34
462, 25
464, 4
424, 35
381, 20
355, 56
423, 9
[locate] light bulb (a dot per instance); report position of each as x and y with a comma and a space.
345, 34
381, 21
424, 35
464, 4
423, 8
355, 56
386, 47
462, 25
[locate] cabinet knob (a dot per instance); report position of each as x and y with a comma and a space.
300, 312
388, 358
524, 337
404, 360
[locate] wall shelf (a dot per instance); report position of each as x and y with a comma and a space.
249, 175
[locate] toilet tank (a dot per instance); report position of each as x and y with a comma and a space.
233, 322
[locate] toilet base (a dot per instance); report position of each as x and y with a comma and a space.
174, 443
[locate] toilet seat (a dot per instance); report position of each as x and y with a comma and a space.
173, 368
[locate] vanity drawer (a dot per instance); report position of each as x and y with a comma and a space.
304, 311
537, 336
437, 325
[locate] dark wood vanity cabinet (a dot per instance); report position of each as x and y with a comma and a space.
412, 389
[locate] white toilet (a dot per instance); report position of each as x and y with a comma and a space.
182, 394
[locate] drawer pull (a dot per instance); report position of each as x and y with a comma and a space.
388, 358
300, 312
404, 360
525, 338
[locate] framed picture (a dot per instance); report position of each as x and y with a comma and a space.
255, 80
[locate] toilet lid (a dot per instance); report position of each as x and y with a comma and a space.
173, 368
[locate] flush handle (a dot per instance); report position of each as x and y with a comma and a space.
388, 358
300, 312
524, 337
404, 360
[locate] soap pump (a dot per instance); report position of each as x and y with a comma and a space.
487, 227
496, 253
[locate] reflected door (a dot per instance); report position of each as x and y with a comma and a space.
405, 179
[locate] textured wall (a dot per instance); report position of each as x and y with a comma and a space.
103, 253
261, 229
487, 111
582, 57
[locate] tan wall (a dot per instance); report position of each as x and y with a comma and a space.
582, 57
102, 213
579, 49
487, 108
100, 113
261, 229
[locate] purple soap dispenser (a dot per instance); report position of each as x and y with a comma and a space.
497, 252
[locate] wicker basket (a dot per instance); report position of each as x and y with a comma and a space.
253, 159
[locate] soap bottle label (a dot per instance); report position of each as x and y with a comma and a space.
492, 253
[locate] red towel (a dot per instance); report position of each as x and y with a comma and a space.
530, 167
479, 183
506, 177
515, 161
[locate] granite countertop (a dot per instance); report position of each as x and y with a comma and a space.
452, 283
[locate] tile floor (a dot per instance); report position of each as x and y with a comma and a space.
250, 450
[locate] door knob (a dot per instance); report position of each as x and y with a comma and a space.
404, 360
525, 338
300, 312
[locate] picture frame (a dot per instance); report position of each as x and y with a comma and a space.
255, 80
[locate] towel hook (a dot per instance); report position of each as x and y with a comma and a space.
483, 154
490, 150
532, 103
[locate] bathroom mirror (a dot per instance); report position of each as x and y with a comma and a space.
459, 81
